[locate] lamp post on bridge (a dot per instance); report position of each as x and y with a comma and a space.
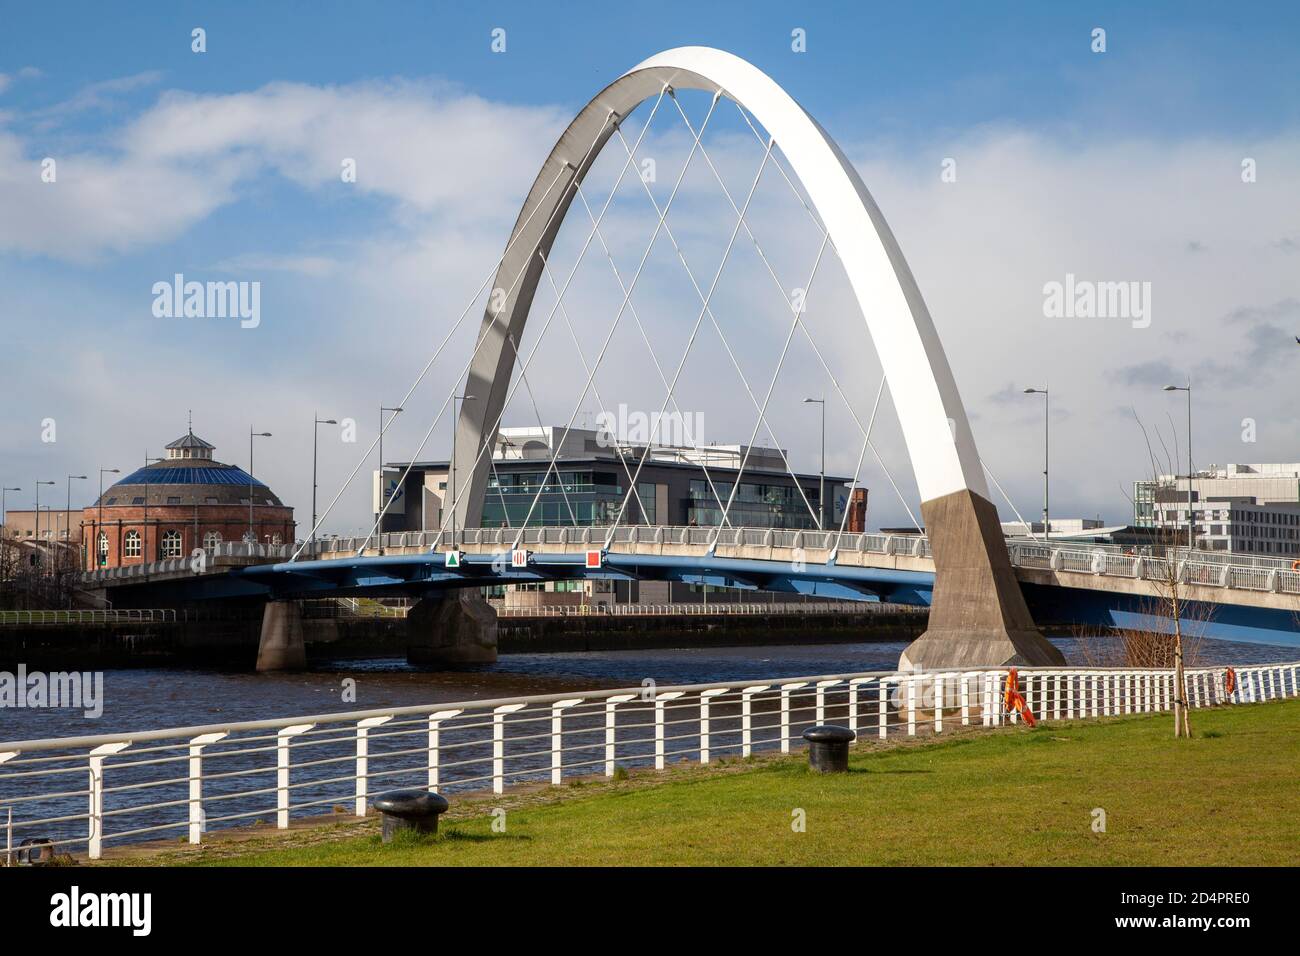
383, 483
1047, 431
821, 484
454, 399
67, 508
315, 434
38, 509
146, 557
99, 520
4, 515
252, 535
1191, 522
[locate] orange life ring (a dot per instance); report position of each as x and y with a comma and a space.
1230, 680
1013, 700
1295, 565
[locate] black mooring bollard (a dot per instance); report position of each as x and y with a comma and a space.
416, 810
828, 748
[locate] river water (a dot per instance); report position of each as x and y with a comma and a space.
153, 698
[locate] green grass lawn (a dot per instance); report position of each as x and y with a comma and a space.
1229, 796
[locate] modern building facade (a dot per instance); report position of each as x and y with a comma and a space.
1248, 508
675, 485
184, 502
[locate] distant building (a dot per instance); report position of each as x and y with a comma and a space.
1253, 508
185, 502
676, 485
1060, 527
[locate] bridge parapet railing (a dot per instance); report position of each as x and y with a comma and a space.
192, 780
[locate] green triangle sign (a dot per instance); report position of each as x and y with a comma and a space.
453, 559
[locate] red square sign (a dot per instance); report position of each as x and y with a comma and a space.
593, 559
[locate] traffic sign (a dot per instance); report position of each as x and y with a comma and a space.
593, 558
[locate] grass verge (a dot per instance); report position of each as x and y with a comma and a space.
1229, 796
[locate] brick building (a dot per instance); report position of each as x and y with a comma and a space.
183, 502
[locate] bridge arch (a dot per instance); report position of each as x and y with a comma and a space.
977, 598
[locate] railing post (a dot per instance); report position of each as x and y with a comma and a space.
854, 684
705, 698
965, 700
911, 705
820, 711
557, 736
196, 783
938, 703
884, 708
746, 714
1056, 704
499, 744
282, 772
611, 728
660, 700
363, 759
785, 713
435, 722
95, 840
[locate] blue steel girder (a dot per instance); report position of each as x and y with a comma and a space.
414, 574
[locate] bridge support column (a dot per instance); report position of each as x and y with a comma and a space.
281, 647
452, 630
978, 616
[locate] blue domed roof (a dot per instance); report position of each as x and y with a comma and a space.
209, 474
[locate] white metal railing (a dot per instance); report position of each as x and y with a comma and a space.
750, 608
1249, 572
89, 791
1208, 568
98, 616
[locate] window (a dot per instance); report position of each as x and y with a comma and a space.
211, 540
171, 544
137, 501
101, 546
131, 545
173, 500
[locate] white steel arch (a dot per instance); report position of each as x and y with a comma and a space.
980, 598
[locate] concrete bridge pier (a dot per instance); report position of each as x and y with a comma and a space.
978, 617
281, 646
452, 629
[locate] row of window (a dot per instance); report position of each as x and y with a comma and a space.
171, 544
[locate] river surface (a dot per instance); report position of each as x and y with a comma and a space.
152, 698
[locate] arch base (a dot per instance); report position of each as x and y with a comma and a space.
978, 617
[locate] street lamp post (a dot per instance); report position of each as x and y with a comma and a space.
1191, 523
383, 484
1047, 431
821, 488
252, 535
4, 515
99, 520
315, 433
145, 556
454, 399
67, 508
38, 509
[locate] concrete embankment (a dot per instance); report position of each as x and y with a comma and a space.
233, 642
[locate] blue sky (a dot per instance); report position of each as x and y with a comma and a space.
1122, 165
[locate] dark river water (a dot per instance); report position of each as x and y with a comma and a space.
153, 698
